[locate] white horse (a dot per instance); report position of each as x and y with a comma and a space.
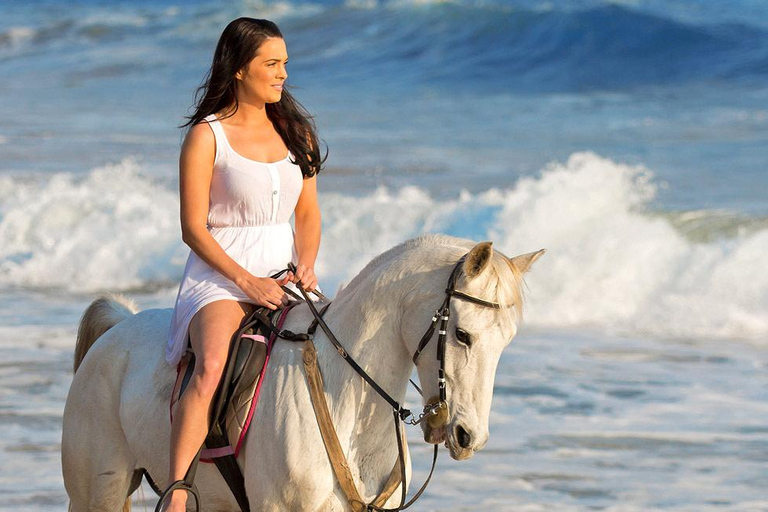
116, 418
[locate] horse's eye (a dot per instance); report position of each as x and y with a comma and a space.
463, 337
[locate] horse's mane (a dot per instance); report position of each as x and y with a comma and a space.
505, 285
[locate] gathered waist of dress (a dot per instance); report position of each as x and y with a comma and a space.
279, 225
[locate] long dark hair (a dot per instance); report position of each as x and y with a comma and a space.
237, 45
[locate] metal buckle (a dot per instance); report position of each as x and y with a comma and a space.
429, 410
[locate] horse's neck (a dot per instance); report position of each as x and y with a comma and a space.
366, 321
369, 330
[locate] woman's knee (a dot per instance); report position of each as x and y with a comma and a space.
208, 372
210, 332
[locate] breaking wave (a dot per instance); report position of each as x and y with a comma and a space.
613, 261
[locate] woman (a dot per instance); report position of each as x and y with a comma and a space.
238, 191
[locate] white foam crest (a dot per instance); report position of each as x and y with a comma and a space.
471, 4
412, 3
111, 229
361, 4
113, 18
612, 264
17, 36
357, 229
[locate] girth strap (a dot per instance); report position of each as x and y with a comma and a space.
336, 456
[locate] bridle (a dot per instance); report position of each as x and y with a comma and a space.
443, 314
436, 408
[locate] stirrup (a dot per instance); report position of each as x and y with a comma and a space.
179, 485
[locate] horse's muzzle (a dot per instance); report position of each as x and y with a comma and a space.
433, 435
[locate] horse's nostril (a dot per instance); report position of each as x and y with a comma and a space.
463, 436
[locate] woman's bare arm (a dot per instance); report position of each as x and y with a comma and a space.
307, 236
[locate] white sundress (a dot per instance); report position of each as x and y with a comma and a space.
249, 214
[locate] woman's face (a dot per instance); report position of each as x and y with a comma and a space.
262, 79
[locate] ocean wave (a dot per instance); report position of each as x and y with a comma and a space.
112, 229
84, 28
613, 261
529, 46
498, 46
605, 47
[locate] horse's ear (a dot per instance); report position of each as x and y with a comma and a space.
524, 261
477, 259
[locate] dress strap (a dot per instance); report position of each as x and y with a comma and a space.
218, 132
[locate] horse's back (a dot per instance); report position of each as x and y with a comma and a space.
142, 338
123, 389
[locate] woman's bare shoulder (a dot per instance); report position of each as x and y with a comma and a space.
200, 138
199, 133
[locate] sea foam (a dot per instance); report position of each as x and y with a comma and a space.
112, 229
614, 260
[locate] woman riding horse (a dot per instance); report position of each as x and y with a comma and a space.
238, 192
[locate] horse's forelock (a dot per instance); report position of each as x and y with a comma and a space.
503, 284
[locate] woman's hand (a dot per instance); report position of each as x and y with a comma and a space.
306, 275
265, 291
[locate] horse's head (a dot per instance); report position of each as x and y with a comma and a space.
476, 335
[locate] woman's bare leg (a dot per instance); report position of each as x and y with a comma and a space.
210, 332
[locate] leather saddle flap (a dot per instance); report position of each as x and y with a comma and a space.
242, 392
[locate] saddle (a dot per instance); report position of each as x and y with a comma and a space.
236, 398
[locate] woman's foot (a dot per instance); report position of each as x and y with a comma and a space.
177, 502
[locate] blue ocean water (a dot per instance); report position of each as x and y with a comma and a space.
627, 137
